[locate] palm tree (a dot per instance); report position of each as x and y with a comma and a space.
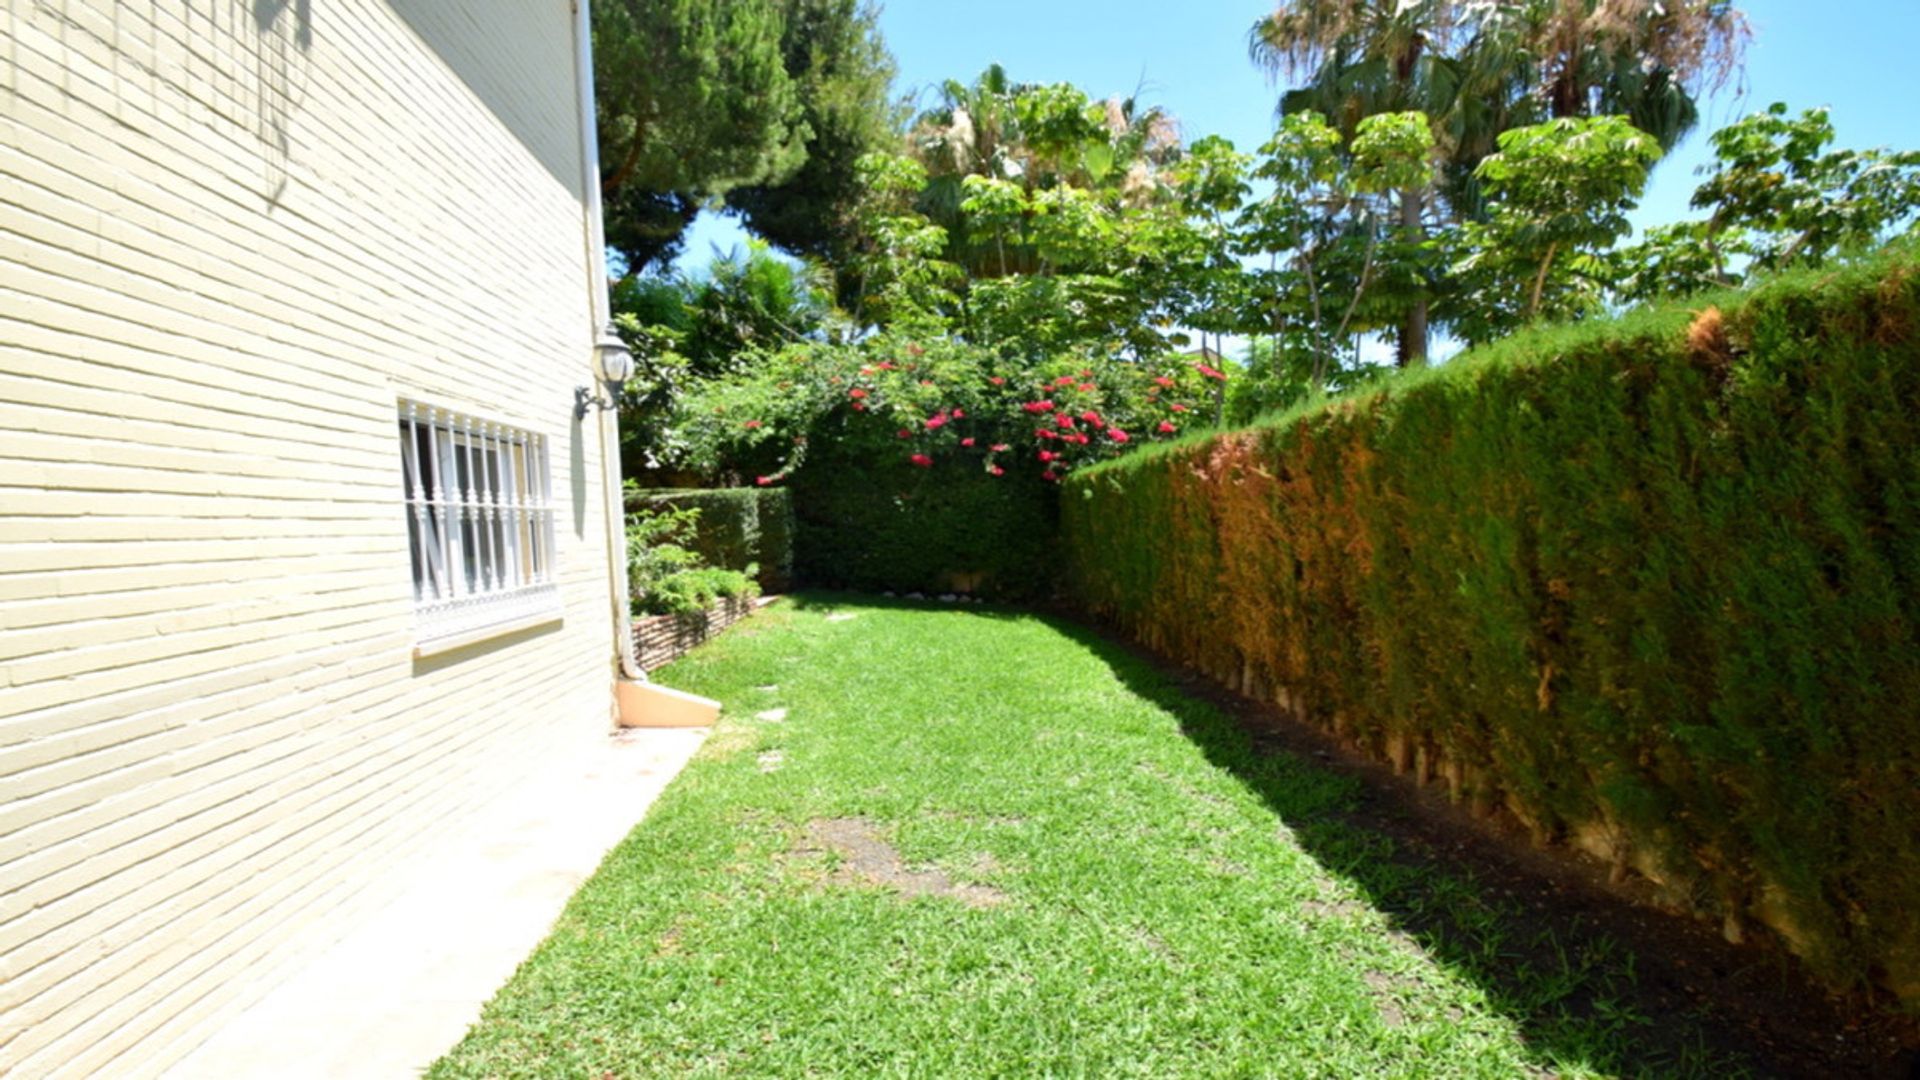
1644, 59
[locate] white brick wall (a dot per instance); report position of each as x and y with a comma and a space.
232, 234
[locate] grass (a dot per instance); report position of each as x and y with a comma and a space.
1120, 886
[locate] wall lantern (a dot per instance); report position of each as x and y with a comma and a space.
613, 363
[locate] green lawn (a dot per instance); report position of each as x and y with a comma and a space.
1096, 875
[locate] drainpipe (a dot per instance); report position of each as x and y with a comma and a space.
600, 314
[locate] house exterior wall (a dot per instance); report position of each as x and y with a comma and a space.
233, 235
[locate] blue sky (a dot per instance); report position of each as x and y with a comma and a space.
1856, 56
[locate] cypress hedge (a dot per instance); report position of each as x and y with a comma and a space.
737, 527
1650, 585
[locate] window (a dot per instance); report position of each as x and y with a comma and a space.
479, 505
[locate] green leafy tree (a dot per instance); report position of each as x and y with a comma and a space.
1362, 58
896, 263
1779, 196
1797, 201
1038, 138
772, 100
833, 51
1559, 194
694, 100
1479, 69
1330, 233
1214, 291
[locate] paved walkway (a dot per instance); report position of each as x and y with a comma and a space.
401, 990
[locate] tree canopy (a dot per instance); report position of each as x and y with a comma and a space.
773, 99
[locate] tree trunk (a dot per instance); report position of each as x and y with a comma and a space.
1412, 350
1540, 282
1219, 385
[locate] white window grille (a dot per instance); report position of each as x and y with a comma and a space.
480, 520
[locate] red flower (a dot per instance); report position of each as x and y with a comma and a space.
1046, 433
1177, 407
1048, 455
1086, 374
959, 414
865, 369
1081, 438
922, 460
1049, 475
966, 442
1001, 448
886, 365
751, 424
856, 392
859, 406
1063, 420
1038, 406
905, 433
1167, 428
763, 481
926, 382
997, 470
935, 423
1087, 386
1163, 381
1211, 373
1091, 417
1116, 434
915, 350
996, 380
1064, 380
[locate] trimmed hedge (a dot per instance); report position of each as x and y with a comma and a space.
1653, 586
887, 525
737, 526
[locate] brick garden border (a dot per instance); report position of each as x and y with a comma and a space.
659, 640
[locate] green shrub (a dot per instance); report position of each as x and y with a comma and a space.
689, 591
1652, 585
951, 527
736, 528
666, 577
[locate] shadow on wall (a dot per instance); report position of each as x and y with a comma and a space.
537, 46
241, 66
234, 66
577, 475
285, 33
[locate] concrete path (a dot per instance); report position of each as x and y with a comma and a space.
401, 990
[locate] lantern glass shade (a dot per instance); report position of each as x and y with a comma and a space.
616, 361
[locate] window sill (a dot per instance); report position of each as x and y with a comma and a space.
444, 626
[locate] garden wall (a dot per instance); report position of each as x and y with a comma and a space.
1651, 586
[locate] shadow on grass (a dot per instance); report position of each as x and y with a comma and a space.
1547, 955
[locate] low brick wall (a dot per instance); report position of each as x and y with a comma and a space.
659, 640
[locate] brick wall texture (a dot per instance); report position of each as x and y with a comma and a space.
232, 235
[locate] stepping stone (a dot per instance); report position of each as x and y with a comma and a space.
841, 616
771, 760
771, 716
